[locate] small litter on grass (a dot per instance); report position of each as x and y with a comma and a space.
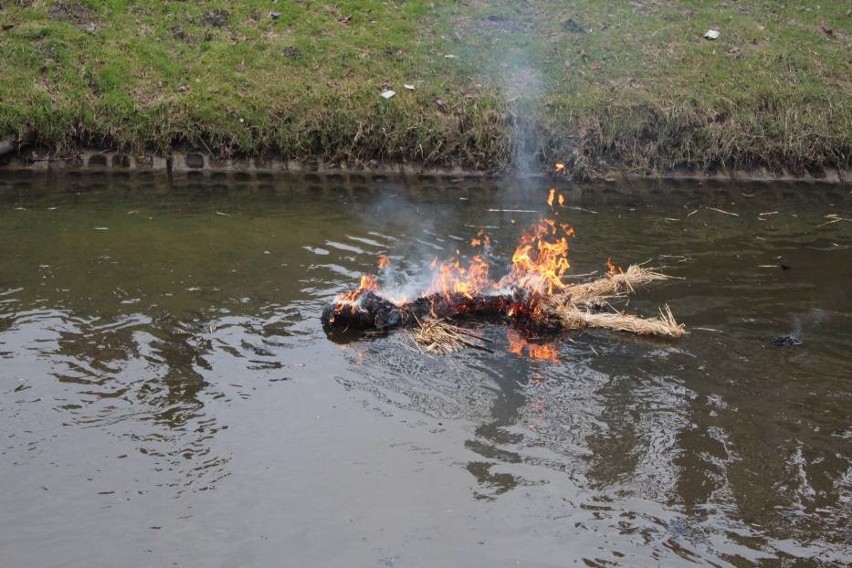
387, 94
574, 26
408, 87
292, 52
711, 35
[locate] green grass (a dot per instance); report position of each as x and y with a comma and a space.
637, 90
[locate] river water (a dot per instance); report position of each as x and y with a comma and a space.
168, 396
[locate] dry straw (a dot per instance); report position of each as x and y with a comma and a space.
663, 325
571, 309
611, 286
439, 336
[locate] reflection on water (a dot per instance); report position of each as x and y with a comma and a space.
150, 340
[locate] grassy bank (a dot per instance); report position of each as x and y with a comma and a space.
631, 86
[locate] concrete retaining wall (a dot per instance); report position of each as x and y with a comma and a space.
196, 164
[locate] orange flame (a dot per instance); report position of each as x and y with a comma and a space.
560, 168
553, 196
539, 264
519, 346
612, 269
452, 277
542, 351
481, 239
541, 258
368, 284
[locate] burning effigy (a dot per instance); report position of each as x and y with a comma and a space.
534, 295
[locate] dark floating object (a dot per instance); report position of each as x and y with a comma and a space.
373, 312
787, 341
784, 266
364, 312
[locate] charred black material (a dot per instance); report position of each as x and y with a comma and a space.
787, 341
372, 312
368, 312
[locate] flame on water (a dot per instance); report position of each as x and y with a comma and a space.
612, 269
481, 239
452, 277
538, 266
553, 196
368, 284
541, 258
521, 347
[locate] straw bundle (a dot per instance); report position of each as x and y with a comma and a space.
598, 291
438, 336
577, 306
663, 325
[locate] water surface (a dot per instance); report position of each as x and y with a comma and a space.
167, 394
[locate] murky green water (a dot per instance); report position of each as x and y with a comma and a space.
167, 394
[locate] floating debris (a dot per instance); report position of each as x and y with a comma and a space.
533, 297
723, 212
440, 336
663, 325
787, 341
615, 284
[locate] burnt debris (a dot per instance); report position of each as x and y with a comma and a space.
787, 341
373, 312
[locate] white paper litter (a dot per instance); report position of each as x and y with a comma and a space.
712, 34
388, 94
